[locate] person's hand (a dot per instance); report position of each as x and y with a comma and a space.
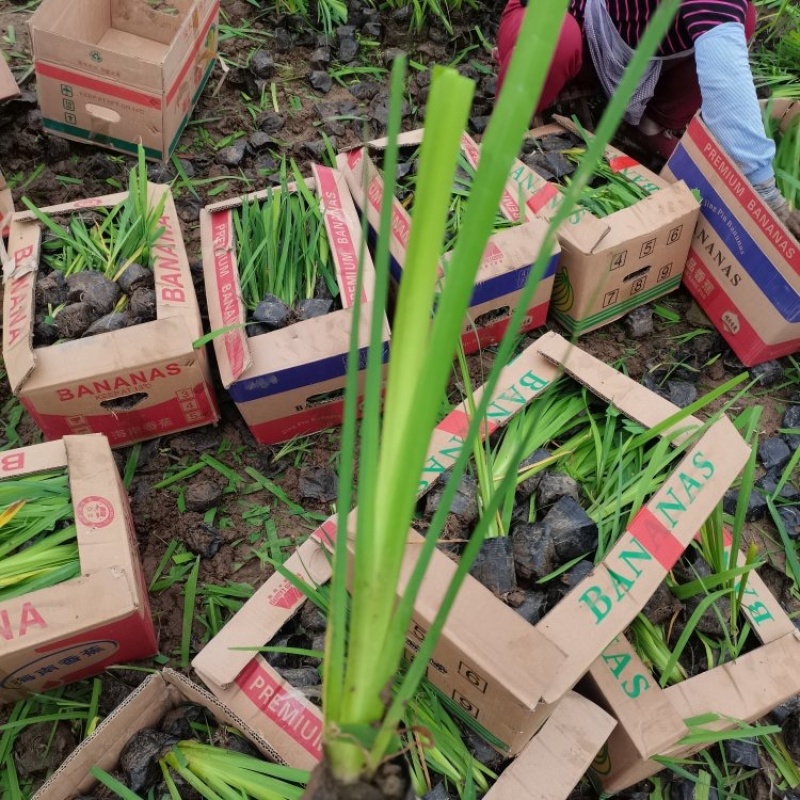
791, 219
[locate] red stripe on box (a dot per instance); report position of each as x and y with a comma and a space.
96, 85
655, 538
457, 424
198, 43
728, 317
488, 335
328, 415
619, 163
751, 203
540, 198
284, 706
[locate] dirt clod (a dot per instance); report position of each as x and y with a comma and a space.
534, 551
51, 290
318, 483
142, 305
35, 752
74, 319
319, 80
272, 312
114, 321
201, 495
94, 289
203, 540
135, 276
139, 758
313, 307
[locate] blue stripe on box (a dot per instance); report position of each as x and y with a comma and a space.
292, 378
754, 261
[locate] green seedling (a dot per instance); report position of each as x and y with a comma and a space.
38, 538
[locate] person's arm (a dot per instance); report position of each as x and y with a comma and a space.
731, 110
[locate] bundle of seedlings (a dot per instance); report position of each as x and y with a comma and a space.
38, 540
787, 155
191, 755
406, 192
96, 274
286, 267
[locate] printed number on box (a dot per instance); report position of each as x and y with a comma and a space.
674, 234
638, 285
465, 704
611, 298
472, 677
619, 260
647, 248
664, 272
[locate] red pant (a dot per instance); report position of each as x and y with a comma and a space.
677, 96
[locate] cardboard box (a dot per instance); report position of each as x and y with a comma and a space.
610, 266
744, 265
133, 384
506, 262
652, 720
62, 634
8, 85
117, 72
143, 708
506, 673
282, 381
6, 209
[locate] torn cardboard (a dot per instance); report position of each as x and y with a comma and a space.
610, 266
743, 265
288, 382
143, 708
507, 260
119, 72
6, 208
652, 721
8, 84
61, 634
501, 670
133, 384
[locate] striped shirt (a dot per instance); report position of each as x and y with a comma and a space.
694, 18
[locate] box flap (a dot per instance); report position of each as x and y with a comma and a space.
36, 458
8, 85
6, 208
553, 763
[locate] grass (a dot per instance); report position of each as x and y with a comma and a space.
787, 156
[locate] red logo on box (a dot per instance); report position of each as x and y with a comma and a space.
285, 596
95, 512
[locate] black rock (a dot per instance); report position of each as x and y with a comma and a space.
683, 789
189, 208
188, 167
233, 154
301, 677
756, 505
318, 483
312, 619
639, 323
44, 334
528, 486
440, 792
553, 486
790, 517
142, 305
768, 483
743, 752
465, 503
558, 165
347, 50
201, 495
272, 312
571, 578
481, 750
51, 290
178, 721
115, 321
320, 58
320, 80
780, 713
282, 40
266, 163
256, 329
791, 734
74, 319
94, 289
681, 393
478, 123
494, 566
364, 90
271, 121
533, 607
774, 453
203, 540
57, 149
572, 531
133, 277
313, 307
262, 65
139, 758
373, 29
390, 54
768, 373
534, 551
791, 421
662, 606
160, 173
258, 140
536, 162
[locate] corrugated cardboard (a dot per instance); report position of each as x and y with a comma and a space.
282, 381
612, 265
489, 660
506, 261
6, 207
744, 265
651, 719
117, 72
8, 85
75, 387
143, 708
62, 634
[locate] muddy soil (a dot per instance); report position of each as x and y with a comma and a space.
238, 131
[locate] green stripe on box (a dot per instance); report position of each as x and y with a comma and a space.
617, 310
98, 138
202, 85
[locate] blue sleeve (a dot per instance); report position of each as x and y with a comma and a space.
730, 107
